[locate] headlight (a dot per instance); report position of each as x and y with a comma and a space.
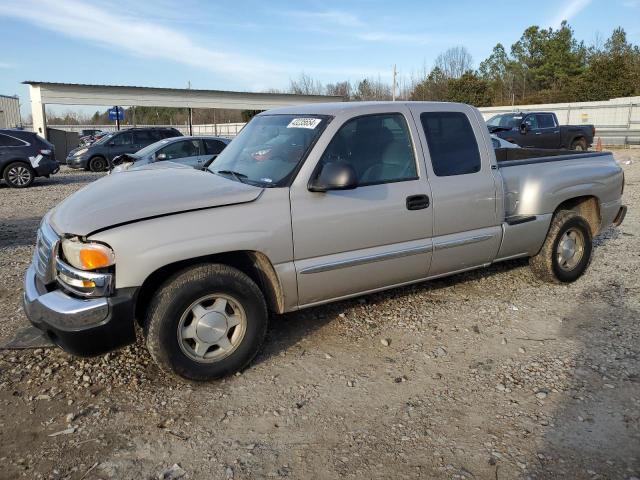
87, 256
80, 152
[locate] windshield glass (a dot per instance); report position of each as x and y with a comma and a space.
507, 120
267, 151
104, 139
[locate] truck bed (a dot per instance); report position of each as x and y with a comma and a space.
522, 156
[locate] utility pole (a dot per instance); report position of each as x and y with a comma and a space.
393, 94
190, 112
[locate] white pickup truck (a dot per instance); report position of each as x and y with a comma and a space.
307, 205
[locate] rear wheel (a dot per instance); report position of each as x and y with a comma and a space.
18, 175
98, 164
580, 144
566, 252
206, 322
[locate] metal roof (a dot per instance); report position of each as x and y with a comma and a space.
178, 90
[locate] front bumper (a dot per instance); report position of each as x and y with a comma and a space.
82, 326
77, 162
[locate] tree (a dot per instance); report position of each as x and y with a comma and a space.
339, 89
454, 62
306, 85
470, 88
435, 87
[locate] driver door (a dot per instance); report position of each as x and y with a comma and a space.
348, 242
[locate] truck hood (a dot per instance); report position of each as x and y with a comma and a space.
136, 195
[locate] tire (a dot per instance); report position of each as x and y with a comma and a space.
549, 264
19, 175
579, 144
98, 164
177, 339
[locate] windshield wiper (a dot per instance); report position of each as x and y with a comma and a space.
237, 175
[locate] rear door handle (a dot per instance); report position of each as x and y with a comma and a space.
417, 202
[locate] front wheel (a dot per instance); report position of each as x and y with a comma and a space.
206, 322
566, 252
98, 164
18, 175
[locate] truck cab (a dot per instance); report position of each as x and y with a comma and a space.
308, 205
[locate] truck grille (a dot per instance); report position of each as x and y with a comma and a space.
43, 256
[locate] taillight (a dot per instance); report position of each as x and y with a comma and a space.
593, 127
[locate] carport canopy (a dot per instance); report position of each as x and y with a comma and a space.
46, 93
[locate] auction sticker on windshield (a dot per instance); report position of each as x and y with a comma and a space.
304, 123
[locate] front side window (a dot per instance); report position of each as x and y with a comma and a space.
531, 121
269, 149
378, 147
451, 142
181, 149
123, 139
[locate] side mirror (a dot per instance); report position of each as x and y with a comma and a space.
334, 176
524, 128
161, 156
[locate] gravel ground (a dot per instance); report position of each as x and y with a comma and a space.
487, 374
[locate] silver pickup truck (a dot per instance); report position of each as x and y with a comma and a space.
307, 205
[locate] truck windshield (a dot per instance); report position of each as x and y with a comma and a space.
507, 120
267, 151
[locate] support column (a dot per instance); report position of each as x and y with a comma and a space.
38, 113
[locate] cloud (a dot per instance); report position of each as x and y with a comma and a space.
334, 17
338, 22
137, 37
569, 10
387, 37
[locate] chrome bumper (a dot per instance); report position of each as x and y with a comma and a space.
59, 310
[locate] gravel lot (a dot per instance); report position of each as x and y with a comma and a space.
487, 374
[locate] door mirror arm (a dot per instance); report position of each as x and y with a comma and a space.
334, 176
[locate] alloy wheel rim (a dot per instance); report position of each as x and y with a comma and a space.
212, 328
570, 249
19, 175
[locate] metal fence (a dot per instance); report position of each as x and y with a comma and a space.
219, 129
617, 121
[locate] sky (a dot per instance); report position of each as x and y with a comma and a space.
251, 45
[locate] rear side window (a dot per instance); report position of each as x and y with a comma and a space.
169, 133
545, 120
214, 147
451, 142
144, 137
7, 141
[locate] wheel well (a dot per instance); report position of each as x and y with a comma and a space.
577, 139
254, 264
587, 207
14, 160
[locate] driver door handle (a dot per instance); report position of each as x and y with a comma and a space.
417, 202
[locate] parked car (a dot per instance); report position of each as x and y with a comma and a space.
196, 152
25, 156
98, 156
541, 130
381, 194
